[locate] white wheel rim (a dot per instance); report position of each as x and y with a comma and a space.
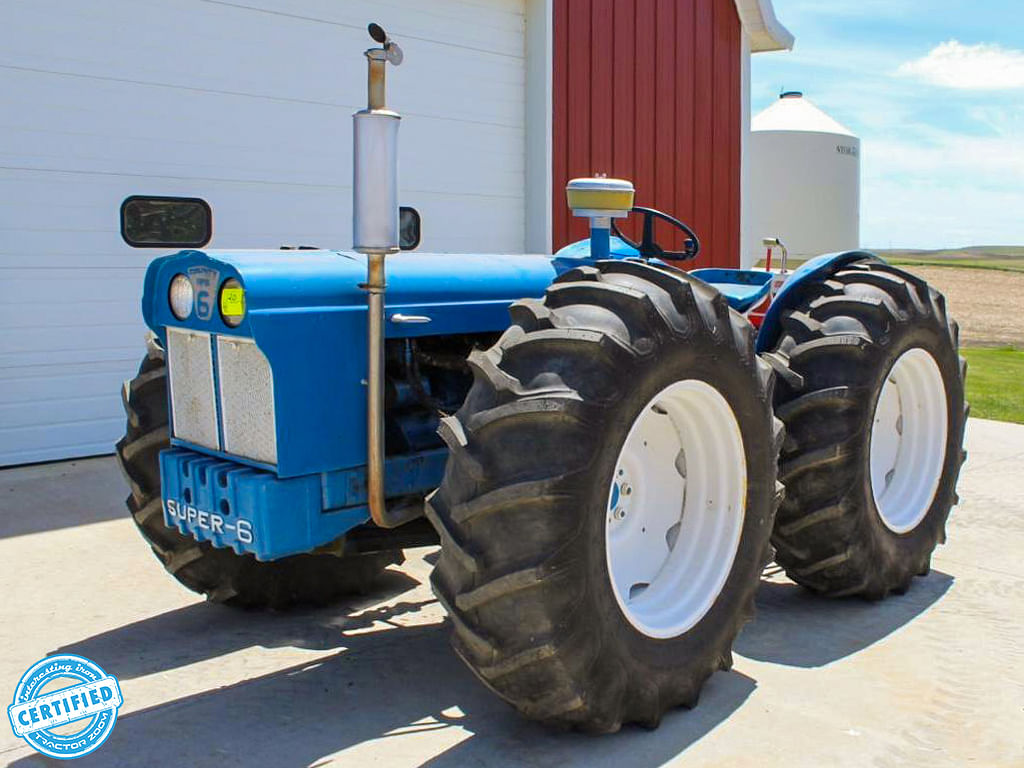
908, 440
675, 509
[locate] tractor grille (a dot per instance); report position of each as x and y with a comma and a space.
192, 389
246, 399
241, 396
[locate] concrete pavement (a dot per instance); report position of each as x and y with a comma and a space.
935, 677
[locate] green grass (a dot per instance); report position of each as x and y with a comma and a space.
995, 383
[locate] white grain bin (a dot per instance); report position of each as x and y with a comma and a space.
804, 176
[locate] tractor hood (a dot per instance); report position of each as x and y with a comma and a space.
459, 293
307, 315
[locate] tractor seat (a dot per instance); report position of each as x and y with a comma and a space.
742, 288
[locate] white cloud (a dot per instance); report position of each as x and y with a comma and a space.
985, 66
925, 187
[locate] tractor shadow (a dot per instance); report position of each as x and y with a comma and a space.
203, 631
387, 689
795, 627
387, 686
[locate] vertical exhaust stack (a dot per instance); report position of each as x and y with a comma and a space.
375, 157
375, 233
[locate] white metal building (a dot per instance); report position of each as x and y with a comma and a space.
804, 177
247, 104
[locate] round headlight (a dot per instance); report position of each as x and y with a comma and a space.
181, 296
232, 302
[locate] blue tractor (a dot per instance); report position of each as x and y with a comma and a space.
606, 448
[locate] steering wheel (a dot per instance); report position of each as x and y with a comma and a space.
649, 248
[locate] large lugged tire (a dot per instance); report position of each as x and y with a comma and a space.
533, 570
869, 474
220, 574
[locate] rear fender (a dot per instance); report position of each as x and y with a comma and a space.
820, 267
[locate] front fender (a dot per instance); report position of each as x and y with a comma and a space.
820, 267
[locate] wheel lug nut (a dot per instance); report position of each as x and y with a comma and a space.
619, 514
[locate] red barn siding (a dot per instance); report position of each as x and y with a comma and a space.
649, 90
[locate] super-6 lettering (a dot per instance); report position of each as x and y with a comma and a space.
195, 518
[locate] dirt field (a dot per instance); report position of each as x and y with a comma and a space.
984, 301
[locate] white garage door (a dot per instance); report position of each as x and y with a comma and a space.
246, 104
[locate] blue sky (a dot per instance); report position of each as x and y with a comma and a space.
935, 90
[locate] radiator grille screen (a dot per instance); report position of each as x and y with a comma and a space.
190, 368
246, 399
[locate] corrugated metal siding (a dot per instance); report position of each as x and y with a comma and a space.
247, 104
649, 90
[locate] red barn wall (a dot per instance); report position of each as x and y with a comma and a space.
649, 90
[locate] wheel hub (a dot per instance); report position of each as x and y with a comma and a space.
621, 497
